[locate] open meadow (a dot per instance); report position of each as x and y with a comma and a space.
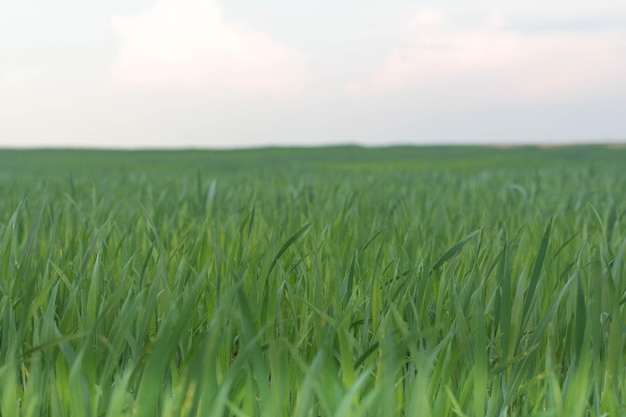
460, 281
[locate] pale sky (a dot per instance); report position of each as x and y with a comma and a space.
237, 73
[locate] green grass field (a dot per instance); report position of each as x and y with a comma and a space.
460, 281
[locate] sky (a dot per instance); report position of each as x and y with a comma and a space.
245, 73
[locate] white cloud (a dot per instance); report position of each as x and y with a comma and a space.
494, 59
188, 44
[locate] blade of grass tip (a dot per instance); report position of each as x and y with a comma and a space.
366, 354
563, 246
602, 228
346, 290
454, 250
286, 246
264, 296
153, 228
369, 242
93, 245
144, 266
536, 272
52, 343
94, 300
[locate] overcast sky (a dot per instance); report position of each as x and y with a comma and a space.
232, 73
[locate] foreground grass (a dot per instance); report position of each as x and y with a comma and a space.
337, 282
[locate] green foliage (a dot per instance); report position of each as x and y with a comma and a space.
313, 282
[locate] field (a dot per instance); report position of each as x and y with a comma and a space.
459, 281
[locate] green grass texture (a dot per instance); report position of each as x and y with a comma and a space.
345, 282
